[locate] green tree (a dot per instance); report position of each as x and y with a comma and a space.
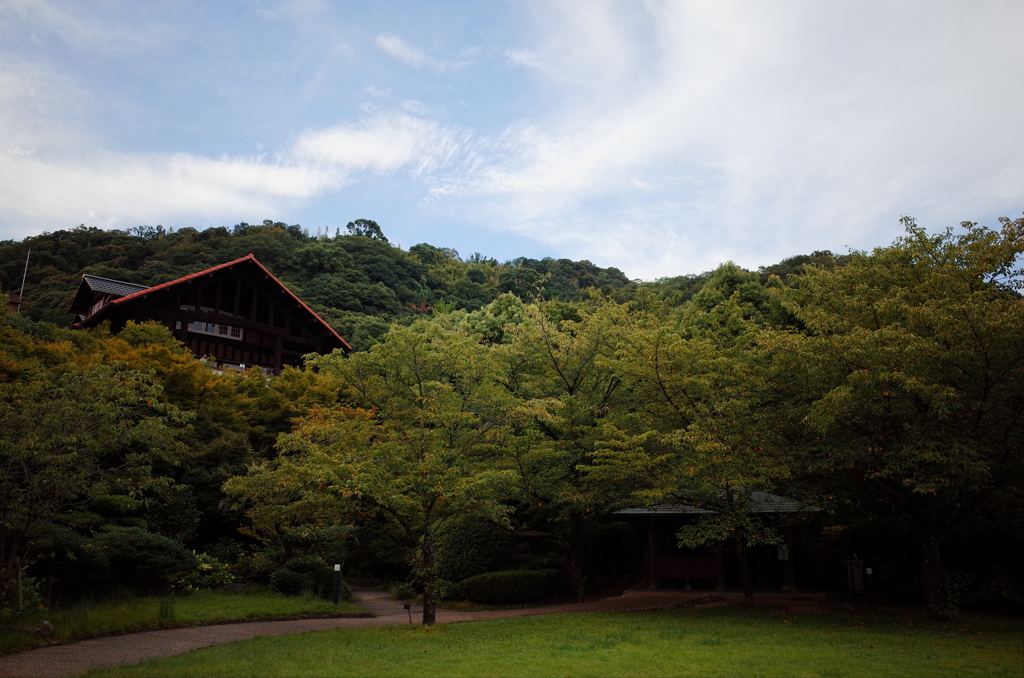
73, 437
418, 446
705, 388
563, 460
366, 227
912, 365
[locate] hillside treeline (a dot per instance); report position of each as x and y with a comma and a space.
355, 279
883, 392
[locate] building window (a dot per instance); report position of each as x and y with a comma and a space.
213, 328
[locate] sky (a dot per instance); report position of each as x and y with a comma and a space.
662, 137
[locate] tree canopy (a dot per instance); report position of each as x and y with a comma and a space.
884, 388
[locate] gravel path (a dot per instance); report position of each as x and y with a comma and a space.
76, 658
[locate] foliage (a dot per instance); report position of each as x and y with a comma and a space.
883, 386
359, 275
566, 364
472, 546
367, 228
308, 574
708, 391
289, 582
142, 560
506, 587
72, 438
210, 572
325, 585
911, 370
414, 449
29, 597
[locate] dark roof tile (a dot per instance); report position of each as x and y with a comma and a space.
108, 286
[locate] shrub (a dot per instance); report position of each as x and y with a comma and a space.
472, 546
289, 582
403, 591
209, 573
501, 588
344, 590
306, 564
448, 590
30, 596
144, 560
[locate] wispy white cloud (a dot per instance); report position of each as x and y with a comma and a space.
415, 107
412, 56
114, 190
660, 137
519, 56
794, 126
377, 92
381, 142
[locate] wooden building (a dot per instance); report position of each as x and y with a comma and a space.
236, 315
668, 565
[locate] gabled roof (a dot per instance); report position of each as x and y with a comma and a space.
758, 502
246, 261
93, 285
108, 286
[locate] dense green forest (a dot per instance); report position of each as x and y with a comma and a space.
882, 388
355, 280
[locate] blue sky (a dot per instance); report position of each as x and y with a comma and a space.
662, 137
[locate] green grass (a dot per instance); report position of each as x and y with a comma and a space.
121, 616
722, 641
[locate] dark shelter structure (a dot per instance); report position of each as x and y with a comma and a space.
236, 315
666, 564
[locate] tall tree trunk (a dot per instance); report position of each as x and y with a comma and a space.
428, 577
748, 581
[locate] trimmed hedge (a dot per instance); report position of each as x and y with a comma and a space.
504, 588
143, 560
289, 582
472, 546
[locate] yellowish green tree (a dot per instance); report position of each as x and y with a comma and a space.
418, 443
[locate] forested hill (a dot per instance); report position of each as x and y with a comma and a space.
355, 279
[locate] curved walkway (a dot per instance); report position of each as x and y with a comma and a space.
79, 657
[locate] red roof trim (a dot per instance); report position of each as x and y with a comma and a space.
210, 271
172, 283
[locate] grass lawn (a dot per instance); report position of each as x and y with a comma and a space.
719, 641
121, 616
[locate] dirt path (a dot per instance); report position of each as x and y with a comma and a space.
76, 658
